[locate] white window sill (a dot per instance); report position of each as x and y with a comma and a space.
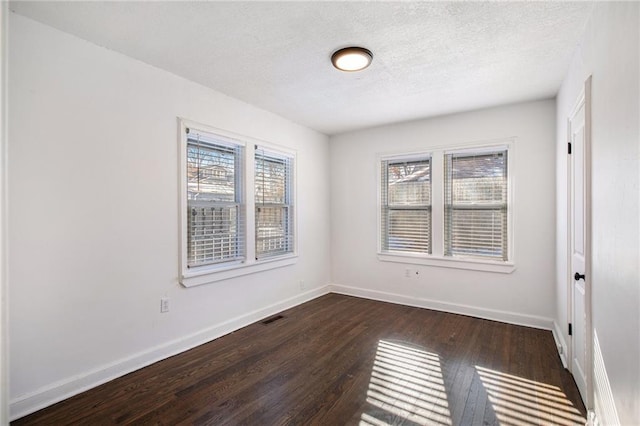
450, 262
207, 275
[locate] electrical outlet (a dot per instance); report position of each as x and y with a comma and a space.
411, 273
164, 305
302, 285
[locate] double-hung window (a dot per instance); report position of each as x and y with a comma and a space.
476, 204
237, 205
215, 220
448, 207
406, 205
273, 203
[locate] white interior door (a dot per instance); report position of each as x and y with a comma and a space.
579, 225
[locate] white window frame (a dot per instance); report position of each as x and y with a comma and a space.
190, 277
472, 152
288, 203
382, 226
235, 250
437, 257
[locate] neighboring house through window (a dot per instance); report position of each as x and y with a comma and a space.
226, 230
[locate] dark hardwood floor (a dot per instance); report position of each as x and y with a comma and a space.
342, 360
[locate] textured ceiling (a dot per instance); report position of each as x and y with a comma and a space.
429, 58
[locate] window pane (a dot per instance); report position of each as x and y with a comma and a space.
406, 205
479, 179
410, 183
270, 180
476, 205
477, 232
211, 172
212, 233
409, 230
214, 209
272, 236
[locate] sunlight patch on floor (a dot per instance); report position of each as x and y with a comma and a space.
406, 384
522, 402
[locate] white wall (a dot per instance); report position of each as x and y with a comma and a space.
4, 383
609, 51
524, 296
93, 216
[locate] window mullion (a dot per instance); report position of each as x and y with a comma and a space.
250, 203
437, 203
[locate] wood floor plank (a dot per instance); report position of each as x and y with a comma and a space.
343, 360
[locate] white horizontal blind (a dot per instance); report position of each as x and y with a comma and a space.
406, 205
215, 230
476, 188
274, 203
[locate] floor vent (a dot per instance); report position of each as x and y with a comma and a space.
272, 319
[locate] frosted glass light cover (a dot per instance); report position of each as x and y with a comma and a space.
351, 59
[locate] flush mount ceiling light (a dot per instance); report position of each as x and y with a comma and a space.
351, 58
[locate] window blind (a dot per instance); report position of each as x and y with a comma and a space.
215, 231
406, 205
476, 188
274, 203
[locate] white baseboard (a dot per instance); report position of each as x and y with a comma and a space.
605, 412
56, 392
558, 336
490, 314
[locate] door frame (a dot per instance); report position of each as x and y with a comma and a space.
583, 98
4, 225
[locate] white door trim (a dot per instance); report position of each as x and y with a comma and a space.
588, 240
4, 227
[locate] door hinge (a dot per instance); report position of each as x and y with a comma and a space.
570, 330
569, 147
